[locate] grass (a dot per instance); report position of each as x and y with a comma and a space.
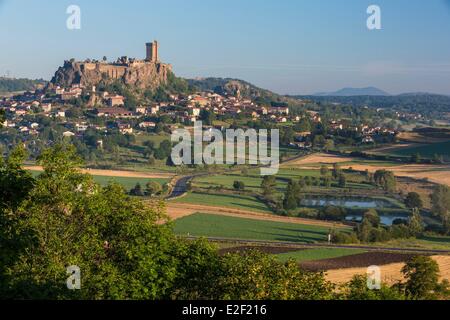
317, 254
426, 242
127, 183
252, 183
247, 203
427, 151
206, 225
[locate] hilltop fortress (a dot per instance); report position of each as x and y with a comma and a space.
148, 73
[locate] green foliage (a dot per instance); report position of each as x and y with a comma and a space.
440, 199
414, 201
239, 185
333, 213
357, 289
342, 181
255, 276
415, 223
386, 180
153, 188
292, 196
422, 279
268, 185
14, 85
207, 116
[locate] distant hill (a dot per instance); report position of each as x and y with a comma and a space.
235, 87
8, 85
427, 104
351, 92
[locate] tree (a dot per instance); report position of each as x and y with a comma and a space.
137, 190
358, 290
422, 277
329, 144
440, 200
268, 185
413, 201
342, 181
415, 223
416, 158
324, 170
337, 171
372, 217
67, 219
207, 116
239, 185
153, 188
124, 247
386, 180
326, 182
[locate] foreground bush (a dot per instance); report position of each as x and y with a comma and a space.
124, 248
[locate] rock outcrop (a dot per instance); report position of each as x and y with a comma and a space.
138, 73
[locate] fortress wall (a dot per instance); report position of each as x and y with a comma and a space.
114, 72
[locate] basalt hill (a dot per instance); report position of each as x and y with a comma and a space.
143, 74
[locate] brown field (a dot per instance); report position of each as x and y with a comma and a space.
179, 210
114, 173
435, 173
390, 273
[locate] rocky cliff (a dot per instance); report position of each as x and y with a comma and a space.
137, 74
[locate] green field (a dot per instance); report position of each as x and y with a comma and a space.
252, 183
317, 254
127, 183
206, 225
426, 151
225, 200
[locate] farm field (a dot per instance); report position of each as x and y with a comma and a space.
390, 273
179, 210
207, 225
128, 182
317, 254
425, 150
225, 200
435, 173
252, 183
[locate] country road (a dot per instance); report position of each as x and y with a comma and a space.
318, 245
180, 187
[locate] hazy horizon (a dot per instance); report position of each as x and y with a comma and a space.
290, 47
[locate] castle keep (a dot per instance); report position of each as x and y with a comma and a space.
147, 73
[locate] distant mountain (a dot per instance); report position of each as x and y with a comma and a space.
351, 92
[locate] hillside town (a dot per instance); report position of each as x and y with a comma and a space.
24, 113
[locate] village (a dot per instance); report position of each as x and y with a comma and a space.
111, 114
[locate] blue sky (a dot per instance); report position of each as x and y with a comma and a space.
289, 46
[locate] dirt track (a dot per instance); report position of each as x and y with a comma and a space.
115, 173
390, 273
179, 210
435, 173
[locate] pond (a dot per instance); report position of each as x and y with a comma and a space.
347, 202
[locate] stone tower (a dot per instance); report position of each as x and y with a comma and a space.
152, 51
